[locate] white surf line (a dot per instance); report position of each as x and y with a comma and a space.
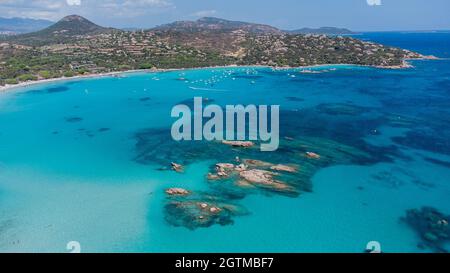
207, 89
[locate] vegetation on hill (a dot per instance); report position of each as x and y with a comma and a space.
322, 30
217, 24
68, 29
76, 46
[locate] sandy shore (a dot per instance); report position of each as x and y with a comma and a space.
30, 83
7, 87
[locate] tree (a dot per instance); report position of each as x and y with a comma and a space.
68, 74
46, 74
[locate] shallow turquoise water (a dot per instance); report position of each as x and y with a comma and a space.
72, 168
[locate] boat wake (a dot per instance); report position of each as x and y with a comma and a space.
207, 89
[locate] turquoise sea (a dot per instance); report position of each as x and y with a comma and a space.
84, 160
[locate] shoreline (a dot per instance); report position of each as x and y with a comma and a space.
6, 88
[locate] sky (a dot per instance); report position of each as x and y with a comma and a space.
358, 15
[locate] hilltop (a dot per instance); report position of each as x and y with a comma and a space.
212, 24
77, 46
74, 25
65, 29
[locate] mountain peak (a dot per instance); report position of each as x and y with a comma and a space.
74, 17
75, 25
63, 30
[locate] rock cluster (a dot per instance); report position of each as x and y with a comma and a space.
240, 144
312, 155
432, 226
284, 168
177, 192
177, 167
201, 211
255, 173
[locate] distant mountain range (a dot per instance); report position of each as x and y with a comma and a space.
322, 30
74, 25
22, 25
77, 25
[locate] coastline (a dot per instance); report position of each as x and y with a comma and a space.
11, 87
6, 88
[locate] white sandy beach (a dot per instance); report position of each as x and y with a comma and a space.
7, 87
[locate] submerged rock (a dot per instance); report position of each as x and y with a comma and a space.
226, 170
225, 165
177, 192
241, 144
201, 212
177, 167
144, 99
257, 163
312, 155
212, 176
258, 176
255, 174
284, 168
223, 170
241, 167
432, 225
265, 179
73, 119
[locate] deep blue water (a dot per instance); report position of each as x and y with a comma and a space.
436, 43
84, 160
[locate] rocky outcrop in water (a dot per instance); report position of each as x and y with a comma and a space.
177, 192
255, 173
312, 155
200, 211
284, 168
177, 167
432, 226
240, 144
266, 179
241, 172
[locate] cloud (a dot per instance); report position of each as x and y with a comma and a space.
56, 9
73, 2
374, 2
39, 9
148, 3
134, 8
204, 13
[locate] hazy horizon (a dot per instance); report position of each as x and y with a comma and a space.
300, 27
357, 15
